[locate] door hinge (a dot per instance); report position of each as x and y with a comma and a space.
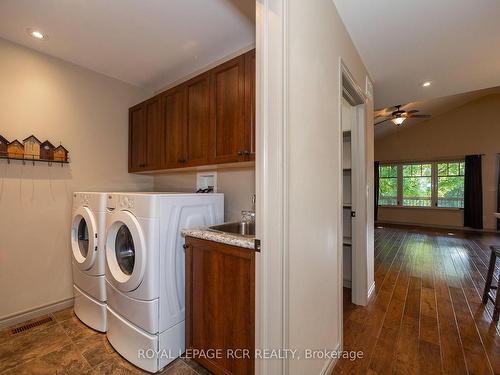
257, 245
353, 213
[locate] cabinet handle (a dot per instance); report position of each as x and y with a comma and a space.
240, 153
186, 246
181, 161
246, 152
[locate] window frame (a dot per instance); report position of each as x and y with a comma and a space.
434, 183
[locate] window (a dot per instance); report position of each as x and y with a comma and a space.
388, 185
426, 184
450, 184
417, 185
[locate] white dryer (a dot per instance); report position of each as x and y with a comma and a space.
145, 271
88, 225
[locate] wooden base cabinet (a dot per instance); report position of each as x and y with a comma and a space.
220, 306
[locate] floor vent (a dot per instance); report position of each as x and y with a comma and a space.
31, 325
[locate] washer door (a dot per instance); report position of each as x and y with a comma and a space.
84, 238
125, 251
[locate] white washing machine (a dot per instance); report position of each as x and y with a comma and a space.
88, 227
145, 271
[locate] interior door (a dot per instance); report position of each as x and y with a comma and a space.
198, 119
84, 238
137, 138
125, 251
174, 127
227, 106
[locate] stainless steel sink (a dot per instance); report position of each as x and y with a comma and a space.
239, 228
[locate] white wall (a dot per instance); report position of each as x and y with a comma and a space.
237, 184
88, 113
317, 40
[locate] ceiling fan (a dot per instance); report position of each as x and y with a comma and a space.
398, 115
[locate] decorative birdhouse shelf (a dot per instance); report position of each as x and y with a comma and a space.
33, 150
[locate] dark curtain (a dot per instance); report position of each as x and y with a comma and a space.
473, 192
376, 189
498, 193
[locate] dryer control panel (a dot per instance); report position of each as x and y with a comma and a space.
120, 201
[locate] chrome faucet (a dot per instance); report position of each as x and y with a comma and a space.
249, 216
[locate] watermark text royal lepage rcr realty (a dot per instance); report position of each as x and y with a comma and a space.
289, 354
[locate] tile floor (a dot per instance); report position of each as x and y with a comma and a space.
66, 346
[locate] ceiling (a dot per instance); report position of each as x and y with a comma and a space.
434, 107
453, 43
147, 43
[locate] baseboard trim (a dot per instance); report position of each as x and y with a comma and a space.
26, 315
371, 291
330, 364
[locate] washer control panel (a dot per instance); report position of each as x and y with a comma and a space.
126, 202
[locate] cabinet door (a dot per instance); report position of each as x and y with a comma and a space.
250, 80
227, 106
137, 138
174, 127
198, 120
154, 143
220, 304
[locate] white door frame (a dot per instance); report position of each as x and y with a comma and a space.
271, 315
272, 158
357, 99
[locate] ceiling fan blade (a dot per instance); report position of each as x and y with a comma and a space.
412, 111
390, 109
382, 116
380, 122
419, 116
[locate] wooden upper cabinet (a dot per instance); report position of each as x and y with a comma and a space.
137, 138
154, 134
227, 107
198, 119
173, 113
209, 119
250, 92
145, 136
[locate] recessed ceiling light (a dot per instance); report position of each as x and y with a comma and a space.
37, 34
426, 84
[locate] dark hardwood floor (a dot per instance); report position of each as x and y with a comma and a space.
426, 316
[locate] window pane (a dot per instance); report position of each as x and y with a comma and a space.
426, 170
388, 171
462, 168
442, 169
417, 185
388, 191
453, 169
451, 185
406, 170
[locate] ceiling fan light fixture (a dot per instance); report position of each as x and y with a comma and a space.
398, 120
426, 84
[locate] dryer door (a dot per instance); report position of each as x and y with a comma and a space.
84, 238
125, 251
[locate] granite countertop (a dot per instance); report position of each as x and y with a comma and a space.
221, 237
